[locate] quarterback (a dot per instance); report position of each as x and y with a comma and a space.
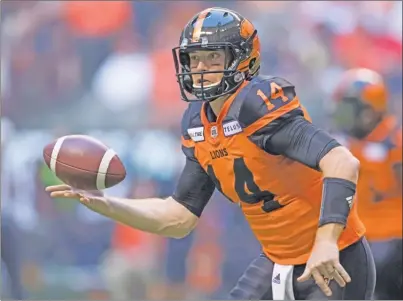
248, 136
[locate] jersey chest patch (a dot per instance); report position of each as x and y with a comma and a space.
196, 134
229, 129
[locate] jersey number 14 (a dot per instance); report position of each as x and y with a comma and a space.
244, 180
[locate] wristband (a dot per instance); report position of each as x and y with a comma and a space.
337, 200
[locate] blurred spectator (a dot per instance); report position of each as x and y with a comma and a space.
88, 19
95, 31
123, 82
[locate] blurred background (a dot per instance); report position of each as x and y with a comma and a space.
105, 69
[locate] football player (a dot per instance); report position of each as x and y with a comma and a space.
248, 136
375, 138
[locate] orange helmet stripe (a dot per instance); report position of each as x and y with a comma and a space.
199, 24
246, 29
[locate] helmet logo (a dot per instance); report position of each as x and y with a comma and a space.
214, 132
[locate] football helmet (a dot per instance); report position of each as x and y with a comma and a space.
360, 101
212, 29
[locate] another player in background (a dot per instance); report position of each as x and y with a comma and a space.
375, 138
248, 136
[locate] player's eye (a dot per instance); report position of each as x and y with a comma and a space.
194, 60
194, 57
214, 56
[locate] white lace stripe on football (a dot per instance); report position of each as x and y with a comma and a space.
103, 168
55, 153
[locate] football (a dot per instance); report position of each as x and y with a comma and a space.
84, 162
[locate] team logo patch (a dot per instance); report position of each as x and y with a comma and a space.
197, 134
214, 132
231, 128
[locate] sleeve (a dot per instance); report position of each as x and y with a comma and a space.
297, 139
195, 187
267, 101
279, 124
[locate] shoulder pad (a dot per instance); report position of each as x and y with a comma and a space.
191, 118
265, 99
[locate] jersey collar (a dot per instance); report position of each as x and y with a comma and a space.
224, 110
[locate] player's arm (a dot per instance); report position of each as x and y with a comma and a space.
282, 129
175, 216
302, 141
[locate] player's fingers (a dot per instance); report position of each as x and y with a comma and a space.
305, 275
320, 281
64, 194
57, 194
337, 277
323, 271
333, 274
53, 188
84, 199
343, 273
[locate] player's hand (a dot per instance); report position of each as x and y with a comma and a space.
323, 265
66, 191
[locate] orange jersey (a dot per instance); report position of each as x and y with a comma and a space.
379, 192
256, 180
